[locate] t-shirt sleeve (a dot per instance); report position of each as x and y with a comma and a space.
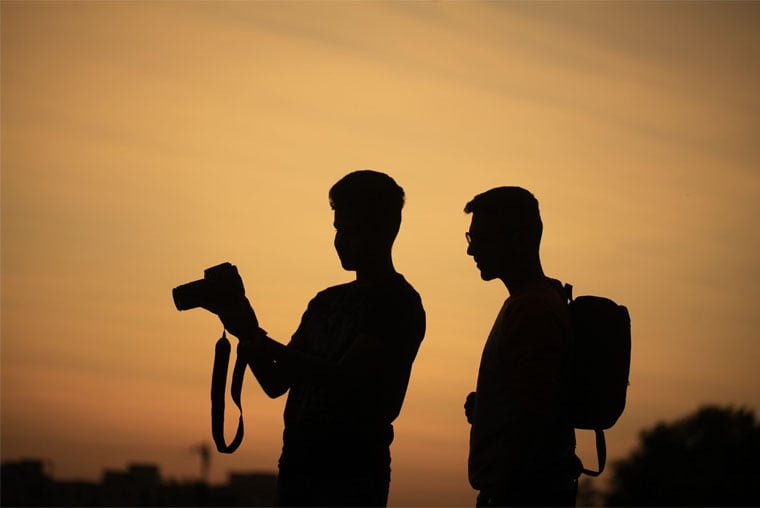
397, 319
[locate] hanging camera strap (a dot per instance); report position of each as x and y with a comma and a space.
218, 385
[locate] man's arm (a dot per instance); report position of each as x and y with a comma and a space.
238, 317
266, 357
276, 367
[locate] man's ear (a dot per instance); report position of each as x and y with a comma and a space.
522, 241
516, 241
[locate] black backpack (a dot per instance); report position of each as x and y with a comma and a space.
602, 361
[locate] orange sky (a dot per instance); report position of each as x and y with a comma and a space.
145, 141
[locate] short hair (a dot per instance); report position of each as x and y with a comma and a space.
513, 208
373, 198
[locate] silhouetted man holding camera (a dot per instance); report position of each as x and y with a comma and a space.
522, 443
348, 364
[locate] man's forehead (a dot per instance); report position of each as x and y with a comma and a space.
483, 222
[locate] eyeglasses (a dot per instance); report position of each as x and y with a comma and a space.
468, 236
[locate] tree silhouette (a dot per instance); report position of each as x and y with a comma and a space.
709, 458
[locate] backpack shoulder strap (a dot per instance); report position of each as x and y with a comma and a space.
568, 291
601, 454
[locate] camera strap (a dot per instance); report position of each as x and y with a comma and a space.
218, 385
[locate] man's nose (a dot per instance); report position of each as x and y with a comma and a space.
470, 251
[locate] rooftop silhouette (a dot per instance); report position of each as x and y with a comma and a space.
29, 483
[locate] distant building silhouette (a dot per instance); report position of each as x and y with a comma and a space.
140, 485
29, 483
25, 483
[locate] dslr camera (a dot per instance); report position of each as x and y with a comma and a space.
219, 283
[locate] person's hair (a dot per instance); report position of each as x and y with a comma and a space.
373, 198
511, 209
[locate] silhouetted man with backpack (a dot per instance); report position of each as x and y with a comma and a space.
347, 366
522, 442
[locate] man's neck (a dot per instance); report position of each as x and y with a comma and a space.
524, 279
376, 273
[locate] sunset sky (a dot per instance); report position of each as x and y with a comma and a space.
145, 141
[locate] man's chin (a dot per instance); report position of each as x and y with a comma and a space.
486, 276
348, 265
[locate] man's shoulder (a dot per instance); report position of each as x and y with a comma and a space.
403, 288
545, 292
398, 297
334, 292
539, 316
543, 299
395, 311
394, 292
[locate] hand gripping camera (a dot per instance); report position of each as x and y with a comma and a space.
219, 283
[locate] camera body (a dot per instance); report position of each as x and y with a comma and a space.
220, 282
